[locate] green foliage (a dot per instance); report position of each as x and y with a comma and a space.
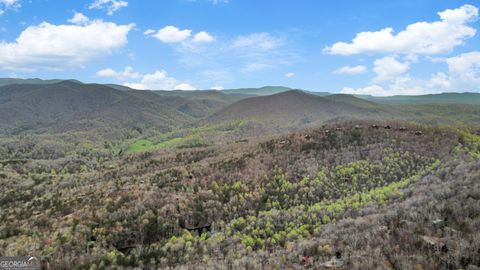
202, 207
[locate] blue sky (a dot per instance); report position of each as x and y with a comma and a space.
359, 47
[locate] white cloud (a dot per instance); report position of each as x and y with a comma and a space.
127, 73
148, 32
259, 41
159, 80
48, 46
404, 85
464, 71
387, 68
9, 4
203, 37
440, 81
171, 34
79, 18
289, 74
351, 70
467, 63
418, 38
110, 5
107, 72
185, 87
463, 76
219, 88
375, 90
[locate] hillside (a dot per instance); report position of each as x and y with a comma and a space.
352, 100
68, 105
295, 105
213, 95
8, 81
321, 196
443, 98
262, 91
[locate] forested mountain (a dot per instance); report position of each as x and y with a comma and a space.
295, 105
262, 91
443, 98
69, 105
101, 177
8, 81
309, 199
53, 107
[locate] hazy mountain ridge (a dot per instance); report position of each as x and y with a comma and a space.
442, 98
291, 105
52, 106
69, 105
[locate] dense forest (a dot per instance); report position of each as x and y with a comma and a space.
356, 184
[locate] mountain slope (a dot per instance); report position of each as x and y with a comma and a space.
262, 91
352, 100
213, 95
9, 81
69, 105
443, 98
292, 106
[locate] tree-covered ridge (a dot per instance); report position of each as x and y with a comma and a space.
216, 204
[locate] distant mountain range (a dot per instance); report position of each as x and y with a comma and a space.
7, 81
35, 105
296, 105
443, 98
69, 105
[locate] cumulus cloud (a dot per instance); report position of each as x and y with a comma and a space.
79, 18
203, 37
110, 5
49, 46
185, 87
159, 80
463, 76
218, 88
418, 38
374, 90
464, 71
171, 34
467, 64
351, 70
387, 68
289, 74
404, 85
127, 73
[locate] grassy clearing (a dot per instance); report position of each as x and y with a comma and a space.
182, 138
141, 146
